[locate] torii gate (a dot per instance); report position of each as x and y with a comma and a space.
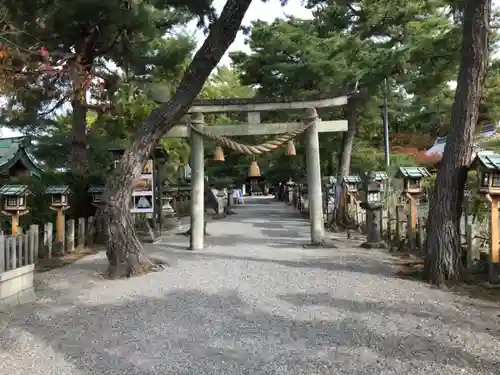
254, 127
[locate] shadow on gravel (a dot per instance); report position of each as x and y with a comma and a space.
269, 225
190, 332
449, 317
232, 240
344, 263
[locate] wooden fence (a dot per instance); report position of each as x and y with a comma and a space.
396, 228
27, 248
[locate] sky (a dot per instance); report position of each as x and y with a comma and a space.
268, 11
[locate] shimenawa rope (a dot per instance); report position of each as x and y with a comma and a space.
260, 148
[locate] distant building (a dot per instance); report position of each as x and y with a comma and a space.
487, 131
16, 160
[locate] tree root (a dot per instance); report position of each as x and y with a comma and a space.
151, 265
124, 270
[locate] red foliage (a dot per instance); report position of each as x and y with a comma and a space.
412, 140
44, 52
45, 65
420, 157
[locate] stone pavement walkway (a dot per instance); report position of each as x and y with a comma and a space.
253, 302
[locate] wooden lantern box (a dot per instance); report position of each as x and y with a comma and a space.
352, 183
488, 172
412, 179
381, 178
14, 203
59, 195
14, 198
96, 192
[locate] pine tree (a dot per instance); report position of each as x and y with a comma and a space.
65, 51
443, 252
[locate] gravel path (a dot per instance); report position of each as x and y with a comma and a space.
253, 302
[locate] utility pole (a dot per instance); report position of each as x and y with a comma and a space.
385, 119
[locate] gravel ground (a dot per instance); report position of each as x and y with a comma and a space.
253, 302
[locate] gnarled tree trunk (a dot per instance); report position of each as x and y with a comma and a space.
78, 153
443, 252
123, 246
348, 139
339, 215
80, 68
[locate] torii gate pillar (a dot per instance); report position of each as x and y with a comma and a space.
197, 184
314, 179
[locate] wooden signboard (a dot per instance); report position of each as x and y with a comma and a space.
143, 192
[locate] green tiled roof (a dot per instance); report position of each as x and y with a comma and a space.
95, 189
14, 190
177, 188
412, 172
354, 179
488, 161
381, 176
14, 149
57, 189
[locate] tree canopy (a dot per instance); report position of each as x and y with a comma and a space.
97, 63
346, 44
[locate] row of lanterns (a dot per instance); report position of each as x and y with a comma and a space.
253, 170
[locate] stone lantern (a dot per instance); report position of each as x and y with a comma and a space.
373, 206
290, 186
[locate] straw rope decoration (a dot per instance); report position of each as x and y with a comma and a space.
259, 149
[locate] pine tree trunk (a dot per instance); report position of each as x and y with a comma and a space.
443, 252
78, 151
348, 139
80, 67
123, 246
339, 217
